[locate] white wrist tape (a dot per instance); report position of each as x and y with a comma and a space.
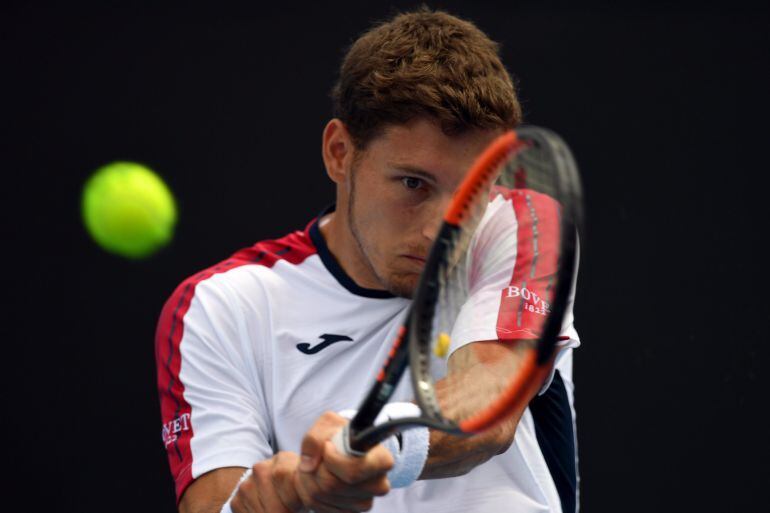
410, 454
226, 507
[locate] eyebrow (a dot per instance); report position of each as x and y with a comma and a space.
412, 170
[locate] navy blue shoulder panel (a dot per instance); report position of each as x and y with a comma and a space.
553, 428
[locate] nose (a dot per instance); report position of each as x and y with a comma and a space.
435, 216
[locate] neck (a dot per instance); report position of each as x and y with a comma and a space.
335, 229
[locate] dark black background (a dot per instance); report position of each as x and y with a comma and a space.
665, 105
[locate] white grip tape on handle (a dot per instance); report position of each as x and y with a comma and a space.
341, 442
409, 456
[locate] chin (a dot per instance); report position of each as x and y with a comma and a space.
403, 285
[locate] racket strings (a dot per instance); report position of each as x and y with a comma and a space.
488, 380
518, 250
454, 284
532, 169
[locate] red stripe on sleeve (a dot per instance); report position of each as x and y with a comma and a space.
177, 429
525, 303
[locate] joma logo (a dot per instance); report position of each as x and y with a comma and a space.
172, 428
532, 302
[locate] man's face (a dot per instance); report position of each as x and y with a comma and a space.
401, 184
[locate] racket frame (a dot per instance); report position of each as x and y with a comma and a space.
412, 345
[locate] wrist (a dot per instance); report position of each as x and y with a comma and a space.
226, 507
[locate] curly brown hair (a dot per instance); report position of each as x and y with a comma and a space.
424, 63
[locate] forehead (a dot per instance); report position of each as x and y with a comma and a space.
422, 143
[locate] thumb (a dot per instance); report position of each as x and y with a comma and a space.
311, 451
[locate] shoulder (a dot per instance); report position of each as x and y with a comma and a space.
236, 275
518, 216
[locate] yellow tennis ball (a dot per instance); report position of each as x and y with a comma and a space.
128, 209
442, 345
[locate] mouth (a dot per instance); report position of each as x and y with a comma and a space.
415, 258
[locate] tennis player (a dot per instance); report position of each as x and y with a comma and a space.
258, 354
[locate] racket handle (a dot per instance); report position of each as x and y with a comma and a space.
341, 442
409, 454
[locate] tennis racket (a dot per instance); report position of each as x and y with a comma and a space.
520, 202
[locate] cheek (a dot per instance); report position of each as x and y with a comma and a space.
400, 223
388, 218
386, 227
383, 209
385, 233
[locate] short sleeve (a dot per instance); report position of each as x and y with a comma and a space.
213, 409
513, 261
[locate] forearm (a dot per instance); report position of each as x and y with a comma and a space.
209, 492
478, 370
451, 455
270, 486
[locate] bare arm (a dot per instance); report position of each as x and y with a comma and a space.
210, 491
271, 487
480, 369
277, 485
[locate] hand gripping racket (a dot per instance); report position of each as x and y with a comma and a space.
518, 208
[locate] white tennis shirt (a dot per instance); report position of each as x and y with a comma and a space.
252, 350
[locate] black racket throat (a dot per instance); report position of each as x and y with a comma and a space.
423, 310
363, 434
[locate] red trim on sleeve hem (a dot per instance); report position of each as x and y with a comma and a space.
182, 481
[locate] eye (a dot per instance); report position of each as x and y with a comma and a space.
411, 182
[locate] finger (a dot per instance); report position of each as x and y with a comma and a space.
313, 443
377, 462
267, 495
283, 476
377, 486
316, 499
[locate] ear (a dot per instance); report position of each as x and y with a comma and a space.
337, 150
